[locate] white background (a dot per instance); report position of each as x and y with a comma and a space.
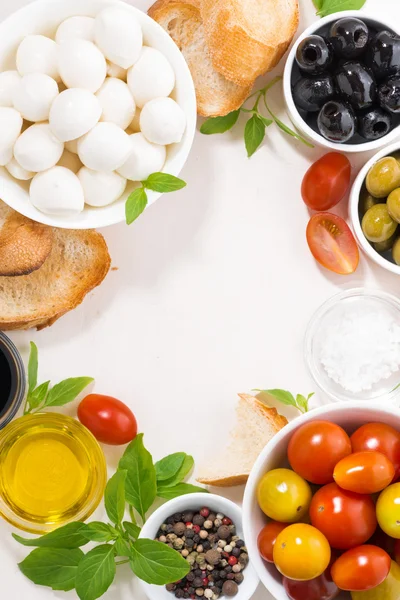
212, 294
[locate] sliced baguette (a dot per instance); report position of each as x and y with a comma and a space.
256, 424
78, 262
247, 38
215, 95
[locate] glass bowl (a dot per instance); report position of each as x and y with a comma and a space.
52, 472
354, 301
10, 407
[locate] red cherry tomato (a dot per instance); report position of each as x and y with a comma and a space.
346, 519
326, 181
267, 538
109, 419
361, 568
364, 472
332, 244
379, 437
321, 588
315, 448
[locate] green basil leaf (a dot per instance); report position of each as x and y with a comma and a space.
135, 205
318, 4
33, 368
96, 531
254, 133
267, 122
95, 573
38, 395
332, 6
131, 529
180, 489
69, 536
220, 124
164, 183
282, 396
140, 485
183, 472
114, 497
66, 391
121, 548
156, 563
169, 466
302, 402
52, 567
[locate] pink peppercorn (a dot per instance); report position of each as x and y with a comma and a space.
232, 560
196, 528
226, 521
205, 512
205, 581
189, 525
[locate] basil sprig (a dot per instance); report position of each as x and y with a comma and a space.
39, 397
284, 397
58, 561
158, 182
328, 7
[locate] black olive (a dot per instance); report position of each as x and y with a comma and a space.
374, 124
349, 37
313, 55
336, 121
389, 95
310, 94
383, 54
356, 84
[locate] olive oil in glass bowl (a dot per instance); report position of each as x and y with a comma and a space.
52, 472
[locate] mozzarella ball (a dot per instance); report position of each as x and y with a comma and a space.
38, 54
17, 171
5, 156
116, 102
145, 158
34, 95
114, 70
38, 149
58, 192
10, 127
72, 146
119, 36
79, 27
135, 123
99, 188
82, 65
70, 161
162, 121
73, 113
9, 81
105, 148
150, 77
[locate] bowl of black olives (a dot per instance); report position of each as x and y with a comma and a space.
375, 208
342, 82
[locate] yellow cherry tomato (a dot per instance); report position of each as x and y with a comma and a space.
388, 510
284, 496
301, 552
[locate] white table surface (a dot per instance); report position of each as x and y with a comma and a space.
212, 292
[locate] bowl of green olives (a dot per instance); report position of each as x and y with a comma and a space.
342, 82
375, 208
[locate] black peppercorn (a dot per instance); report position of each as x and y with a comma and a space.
186, 595
198, 520
239, 543
190, 576
191, 590
228, 569
189, 543
170, 528
206, 545
222, 574
239, 577
179, 528
179, 594
196, 538
187, 517
177, 517
212, 516
170, 521
215, 574
189, 533
198, 582
223, 532
197, 573
235, 552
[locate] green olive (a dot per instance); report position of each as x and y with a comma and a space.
377, 224
366, 200
386, 245
383, 177
396, 251
393, 204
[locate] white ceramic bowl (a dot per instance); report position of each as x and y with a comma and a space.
43, 17
349, 416
354, 214
294, 114
196, 502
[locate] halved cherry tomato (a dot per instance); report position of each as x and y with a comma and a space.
109, 419
380, 437
301, 552
332, 244
361, 568
326, 181
346, 519
267, 538
364, 472
315, 448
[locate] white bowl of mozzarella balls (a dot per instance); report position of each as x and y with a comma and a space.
94, 98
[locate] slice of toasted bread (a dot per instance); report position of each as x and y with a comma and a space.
24, 244
247, 38
215, 95
77, 263
256, 424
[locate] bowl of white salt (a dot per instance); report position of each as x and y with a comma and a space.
352, 346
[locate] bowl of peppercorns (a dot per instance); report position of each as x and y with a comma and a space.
342, 82
206, 530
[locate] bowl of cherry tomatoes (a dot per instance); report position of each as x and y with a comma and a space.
321, 511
